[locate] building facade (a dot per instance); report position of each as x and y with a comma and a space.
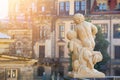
47, 22
55, 17
104, 13
36, 17
43, 29
23, 42
19, 26
16, 68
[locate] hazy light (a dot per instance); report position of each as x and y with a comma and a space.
3, 8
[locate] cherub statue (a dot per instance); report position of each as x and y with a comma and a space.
86, 31
82, 45
81, 55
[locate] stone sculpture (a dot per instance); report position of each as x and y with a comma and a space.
81, 45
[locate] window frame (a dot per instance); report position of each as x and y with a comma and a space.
105, 31
83, 5
79, 6
61, 31
67, 7
117, 51
64, 7
61, 6
72, 27
11, 73
61, 51
116, 31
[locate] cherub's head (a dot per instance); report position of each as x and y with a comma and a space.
78, 18
71, 35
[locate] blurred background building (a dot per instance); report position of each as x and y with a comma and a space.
39, 28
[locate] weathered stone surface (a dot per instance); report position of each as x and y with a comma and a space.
82, 46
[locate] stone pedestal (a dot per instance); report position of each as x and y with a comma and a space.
78, 75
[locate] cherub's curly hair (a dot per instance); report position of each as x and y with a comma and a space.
71, 34
79, 16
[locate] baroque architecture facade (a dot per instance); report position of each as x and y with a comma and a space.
17, 63
104, 13
23, 42
44, 24
16, 68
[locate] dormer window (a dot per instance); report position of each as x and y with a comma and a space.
118, 5
102, 6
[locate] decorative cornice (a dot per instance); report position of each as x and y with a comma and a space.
103, 17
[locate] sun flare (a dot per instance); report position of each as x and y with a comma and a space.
3, 8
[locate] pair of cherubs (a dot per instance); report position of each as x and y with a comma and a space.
82, 58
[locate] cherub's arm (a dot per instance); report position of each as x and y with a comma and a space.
94, 30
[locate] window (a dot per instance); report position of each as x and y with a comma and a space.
61, 6
41, 51
61, 51
104, 28
117, 72
102, 6
67, 7
119, 6
83, 5
40, 71
79, 6
43, 32
8, 73
61, 31
117, 52
11, 73
18, 51
116, 33
72, 26
64, 8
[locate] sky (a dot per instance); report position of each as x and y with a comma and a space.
3, 8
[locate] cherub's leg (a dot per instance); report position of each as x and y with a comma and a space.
97, 56
88, 58
75, 65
